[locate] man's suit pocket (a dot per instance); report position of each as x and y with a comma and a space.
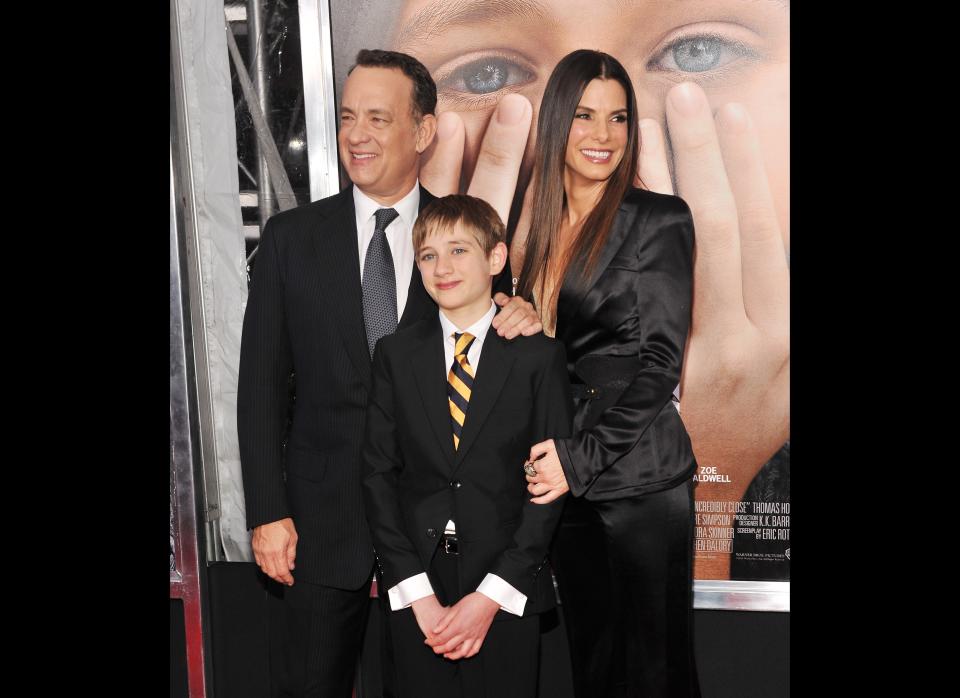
321, 493
309, 465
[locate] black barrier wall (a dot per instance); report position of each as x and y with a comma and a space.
740, 654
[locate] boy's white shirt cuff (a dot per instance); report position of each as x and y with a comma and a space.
404, 593
503, 593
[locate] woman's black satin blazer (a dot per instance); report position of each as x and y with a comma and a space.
624, 330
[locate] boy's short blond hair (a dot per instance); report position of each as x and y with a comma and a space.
476, 215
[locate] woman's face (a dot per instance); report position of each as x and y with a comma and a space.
736, 50
598, 134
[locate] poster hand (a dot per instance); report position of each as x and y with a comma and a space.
443, 159
497, 169
734, 395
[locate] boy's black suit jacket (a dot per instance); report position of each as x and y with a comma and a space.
414, 481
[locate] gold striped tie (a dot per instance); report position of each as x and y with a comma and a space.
459, 384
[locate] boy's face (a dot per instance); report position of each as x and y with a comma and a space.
456, 272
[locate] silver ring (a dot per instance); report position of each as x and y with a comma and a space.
529, 469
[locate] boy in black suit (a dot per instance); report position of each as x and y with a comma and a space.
461, 548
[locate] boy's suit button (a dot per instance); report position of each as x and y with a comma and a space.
431, 533
455, 484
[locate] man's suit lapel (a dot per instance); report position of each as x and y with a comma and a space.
496, 360
432, 383
419, 303
573, 291
335, 243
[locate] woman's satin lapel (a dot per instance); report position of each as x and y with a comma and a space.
573, 291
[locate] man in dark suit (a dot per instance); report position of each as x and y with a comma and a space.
452, 409
331, 278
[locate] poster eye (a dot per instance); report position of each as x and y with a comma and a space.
699, 53
487, 75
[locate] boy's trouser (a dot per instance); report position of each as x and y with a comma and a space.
507, 665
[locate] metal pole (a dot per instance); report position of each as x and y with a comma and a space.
316, 53
256, 38
188, 580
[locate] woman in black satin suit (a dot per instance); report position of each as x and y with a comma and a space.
610, 268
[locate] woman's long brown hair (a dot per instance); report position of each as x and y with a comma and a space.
557, 109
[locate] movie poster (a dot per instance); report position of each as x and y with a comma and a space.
734, 393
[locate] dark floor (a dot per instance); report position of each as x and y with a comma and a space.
740, 654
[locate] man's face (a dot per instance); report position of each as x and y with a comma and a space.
379, 140
736, 50
456, 272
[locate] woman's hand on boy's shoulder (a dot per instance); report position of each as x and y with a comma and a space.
516, 317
